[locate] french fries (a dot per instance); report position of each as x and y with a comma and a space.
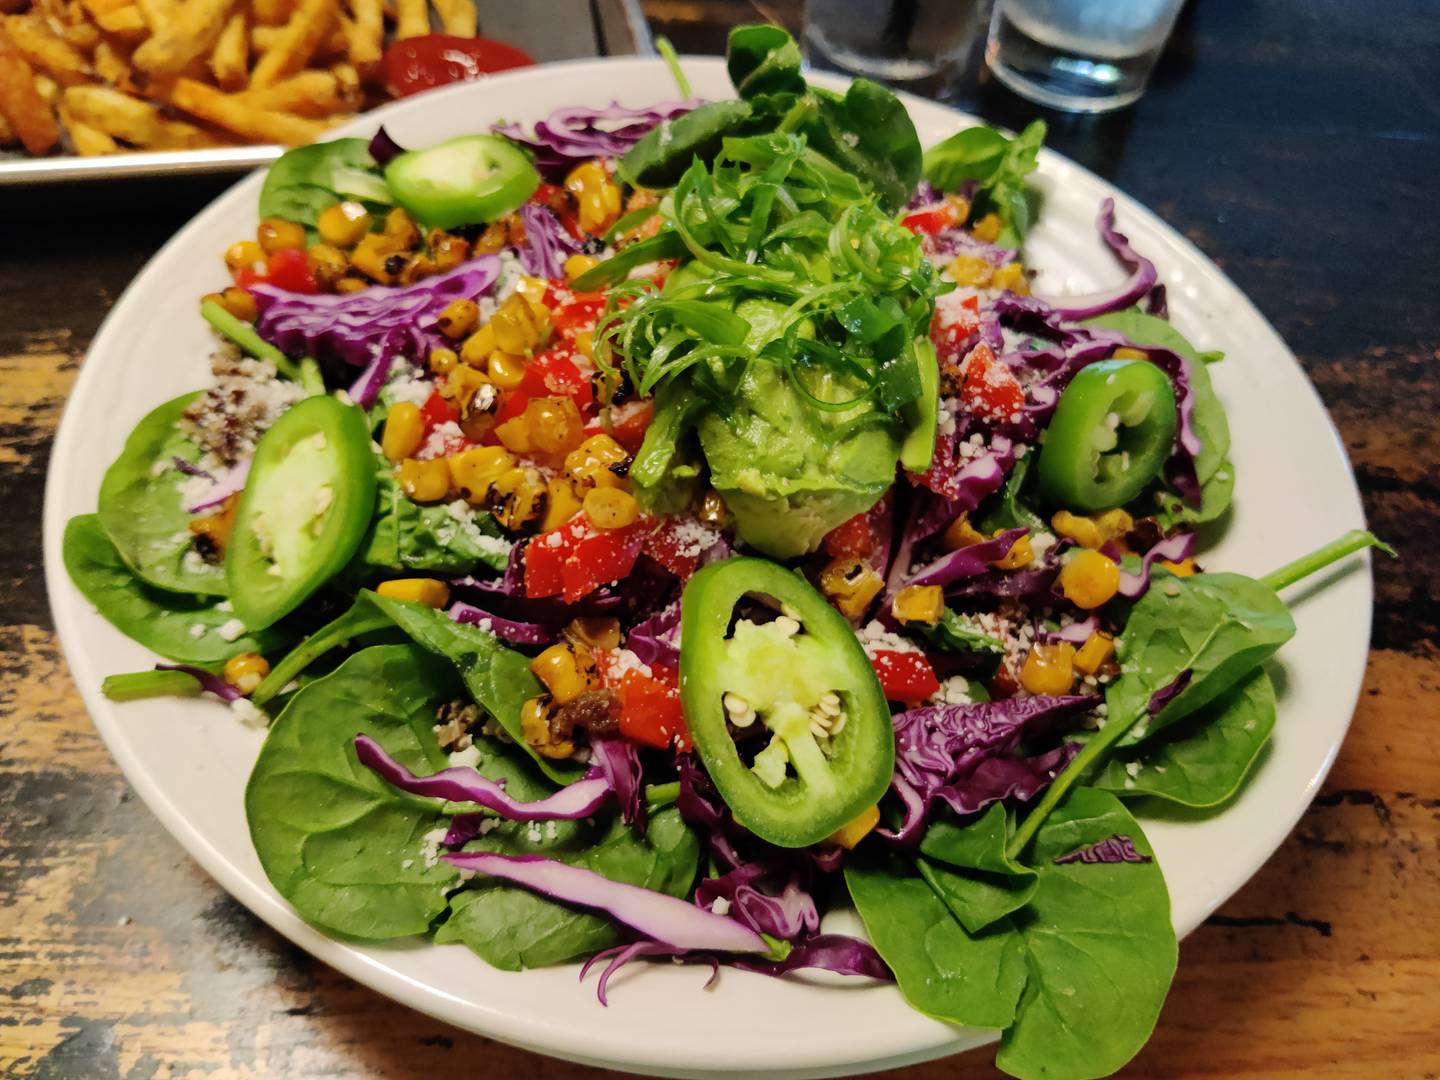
46, 52
21, 104
456, 16
412, 19
302, 36
230, 62
182, 37
231, 112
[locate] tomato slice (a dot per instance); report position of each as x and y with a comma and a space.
906, 677
990, 390
650, 711
431, 60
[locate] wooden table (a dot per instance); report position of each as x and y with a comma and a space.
1297, 141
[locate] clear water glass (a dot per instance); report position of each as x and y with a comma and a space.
920, 45
1079, 55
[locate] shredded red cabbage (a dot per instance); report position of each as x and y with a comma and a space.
223, 486
521, 633
578, 133
383, 148
656, 640
787, 914
963, 482
1113, 849
967, 561
208, 680
1175, 548
1142, 279
547, 242
838, 953
619, 763
1169, 692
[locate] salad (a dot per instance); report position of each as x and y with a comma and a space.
647, 533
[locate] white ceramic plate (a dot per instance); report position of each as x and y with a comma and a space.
189, 760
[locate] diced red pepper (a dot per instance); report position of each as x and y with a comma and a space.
577, 558
862, 535
629, 422
437, 411
952, 328
906, 677
572, 312
932, 220
650, 711
990, 390
553, 373
289, 269
678, 544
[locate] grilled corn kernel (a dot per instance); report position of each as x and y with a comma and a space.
423, 481
595, 632
243, 254
1020, 554
276, 233
494, 239
960, 205
212, 532
971, 270
588, 465
1011, 276
1183, 568
351, 283
417, 267
457, 318
517, 498
514, 434
506, 370
561, 504
518, 328
1113, 524
961, 534
567, 670
237, 302
1049, 669
987, 229
478, 347
378, 257
443, 361
404, 431
850, 585
327, 264
597, 197
473, 471
463, 385
343, 224
611, 508
1082, 530
919, 604
447, 249
245, 671
1090, 579
555, 424
578, 265
1091, 656
535, 729
532, 288
401, 228
1127, 353
847, 836
419, 590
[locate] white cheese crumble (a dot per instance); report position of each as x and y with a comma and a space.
232, 630
875, 638
430, 845
248, 713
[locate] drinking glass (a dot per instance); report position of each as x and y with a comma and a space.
1079, 55
917, 44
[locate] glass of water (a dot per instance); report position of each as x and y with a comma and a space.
920, 45
1079, 55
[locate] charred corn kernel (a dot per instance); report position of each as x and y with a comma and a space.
713, 510
1049, 669
588, 465
594, 632
532, 288
987, 229
585, 344
536, 730
343, 224
611, 508
1127, 353
478, 347
517, 497
1183, 568
447, 249
423, 481
401, 228
237, 302
514, 434
850, 585
919, 604
1010, 276
960, 205
567, 670
555, 424
464, 385
243, 254
492, 240
418, 590
577, 265
1082, 530
971, 270
518, 328
457, 318
506, 370
1113, 524
561, 504
597, 197
417, 267
961, 534
404, 431
351, 284
847, 836
1020, 554
472, 471
1091, 656
378, 257
443, 361
212, 532
277, 233
327, 264
245, 671
1090, 579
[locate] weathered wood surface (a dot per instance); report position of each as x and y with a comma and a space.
1297, 142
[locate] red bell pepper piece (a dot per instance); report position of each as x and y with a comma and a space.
650, 711
990, 390
906, 677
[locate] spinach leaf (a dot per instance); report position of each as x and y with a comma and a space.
345, 848
408, 536
943, 970
1219, 627
1007, 508
513, 928
1202, 760
969, 870
498, 678
163, 622
361, 618
665, 151
1099, 947
307, 179
869, 133
999, 164
142, 511
951, 634
1215, 496
763, 59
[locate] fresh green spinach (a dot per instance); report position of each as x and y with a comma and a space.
306, 180
1216, 495
408, 536
969, 870
142, 509
360, 619
999, 164
1008, 508
953, 635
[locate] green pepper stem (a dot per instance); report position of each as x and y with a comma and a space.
244, 335
310, 378
135, 685
1353, 541
659, 796
672, 61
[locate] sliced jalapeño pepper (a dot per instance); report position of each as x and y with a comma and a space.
307, 502
464, 181
1110, 436
825, 747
